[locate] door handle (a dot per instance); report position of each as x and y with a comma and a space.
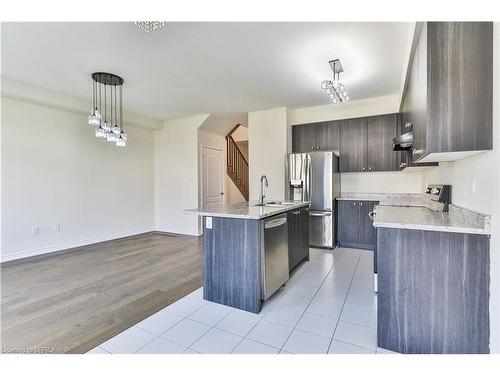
319, 214
274, 223
221, 193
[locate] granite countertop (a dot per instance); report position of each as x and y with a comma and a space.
394, 199
245, 210
457, 220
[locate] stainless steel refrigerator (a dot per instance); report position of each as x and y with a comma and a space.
315, 177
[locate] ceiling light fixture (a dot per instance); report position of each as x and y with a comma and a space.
107, 119
148, 26
335, 89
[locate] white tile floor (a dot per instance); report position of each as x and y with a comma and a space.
327, 306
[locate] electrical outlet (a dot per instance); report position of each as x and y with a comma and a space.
473, 187
35, 231
57, 227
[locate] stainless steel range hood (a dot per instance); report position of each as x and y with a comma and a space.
403, 142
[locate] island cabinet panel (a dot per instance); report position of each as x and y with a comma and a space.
433, 291
298, 236
232, 263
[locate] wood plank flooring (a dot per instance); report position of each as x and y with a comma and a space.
72, 301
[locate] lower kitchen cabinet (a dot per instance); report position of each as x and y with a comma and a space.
355, 227
433, 292
298, 237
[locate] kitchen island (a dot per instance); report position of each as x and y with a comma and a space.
249, 249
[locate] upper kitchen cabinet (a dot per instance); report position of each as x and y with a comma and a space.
328, 136
304, 138
366, 144
353, 145
380, 131
321, 136
449, 92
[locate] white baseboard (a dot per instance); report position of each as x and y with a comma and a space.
69, 245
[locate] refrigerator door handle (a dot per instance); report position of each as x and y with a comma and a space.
320, 213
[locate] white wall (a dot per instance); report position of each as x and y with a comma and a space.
355, 108
382, 182
233, 195
54, 171
267, 146
176, 175
240, 134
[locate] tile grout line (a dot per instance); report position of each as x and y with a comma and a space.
345, 299
160, 335
295, 327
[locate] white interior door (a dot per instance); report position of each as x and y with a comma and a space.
212, 176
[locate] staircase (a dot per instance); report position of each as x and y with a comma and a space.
237, 165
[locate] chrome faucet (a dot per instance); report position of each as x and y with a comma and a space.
263, 180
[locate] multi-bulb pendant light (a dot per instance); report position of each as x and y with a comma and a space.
107, 108
335, 89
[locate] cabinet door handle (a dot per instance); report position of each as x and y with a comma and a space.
361, 203
354, 204
364, 168
370, 168
296, 212
402, 165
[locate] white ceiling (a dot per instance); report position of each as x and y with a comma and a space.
223, 68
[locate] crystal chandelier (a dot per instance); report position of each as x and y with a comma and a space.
335, 89
148, 26
107, 109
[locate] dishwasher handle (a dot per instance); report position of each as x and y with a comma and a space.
274, 223
320, 213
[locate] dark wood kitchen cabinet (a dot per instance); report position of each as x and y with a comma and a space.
298, 236
366, 144
380, 131
449, 91
321, 136
355, 227
304, 138
328, 136
353, 144
433, 292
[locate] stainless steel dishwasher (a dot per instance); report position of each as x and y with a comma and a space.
275, 255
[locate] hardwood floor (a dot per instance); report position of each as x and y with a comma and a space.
72, 301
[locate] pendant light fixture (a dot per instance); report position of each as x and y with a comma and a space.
335, 89
107, 110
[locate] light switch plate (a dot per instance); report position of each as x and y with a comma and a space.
208, 222
35, 231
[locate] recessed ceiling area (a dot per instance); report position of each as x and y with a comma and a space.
200, 67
